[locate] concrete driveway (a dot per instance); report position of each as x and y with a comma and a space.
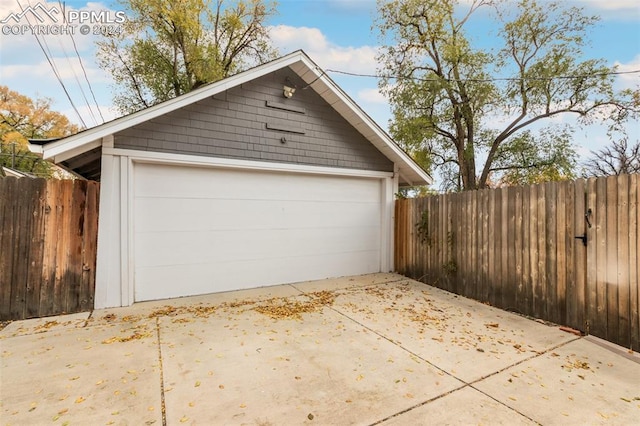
373, 349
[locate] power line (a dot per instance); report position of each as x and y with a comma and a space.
75, 76
488, 80
84, 71
53, 67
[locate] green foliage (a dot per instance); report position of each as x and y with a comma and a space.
168, 48
22, 118
422, 227
525, 159
449, 109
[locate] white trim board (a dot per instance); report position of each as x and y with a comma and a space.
199, 161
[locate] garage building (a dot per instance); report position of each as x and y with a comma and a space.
270, 176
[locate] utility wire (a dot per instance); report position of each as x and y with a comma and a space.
487, 80
53, 67
75, 76
84, 71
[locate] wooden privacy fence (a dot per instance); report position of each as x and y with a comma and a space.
565, 252
48, 239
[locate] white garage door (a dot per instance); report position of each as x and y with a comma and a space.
201, 230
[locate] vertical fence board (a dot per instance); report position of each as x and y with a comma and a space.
541, 287
35, 257
610, 283
533, 249
24, 219
76, 233
487, 291
561, 254
591, 287
524, 290
516, 254
634, 265
577, 291
621, 281
472, 272
8, 193
461, 255
600, 314
484, 247
51, 229
508, 232
63, 204
550, 235
90, 246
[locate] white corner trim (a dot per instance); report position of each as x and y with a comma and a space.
199, 161
126, 284
387, 224
108, 141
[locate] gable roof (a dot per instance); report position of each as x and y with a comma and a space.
91, 139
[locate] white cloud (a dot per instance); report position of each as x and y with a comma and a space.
629, 81
621, 5
372, 96
68, 69
327, 55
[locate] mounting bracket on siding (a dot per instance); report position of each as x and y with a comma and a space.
285, 107
285, 128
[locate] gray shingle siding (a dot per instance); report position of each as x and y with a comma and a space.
239, 124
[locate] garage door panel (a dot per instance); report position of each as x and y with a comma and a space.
185, 280
211, 214
180, 248
202, 230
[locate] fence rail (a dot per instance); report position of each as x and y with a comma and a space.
521, 249
48, 240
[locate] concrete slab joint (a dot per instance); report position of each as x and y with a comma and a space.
371, 349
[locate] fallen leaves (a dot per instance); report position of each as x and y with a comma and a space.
572, 364
46, 326
285, 308
140, 332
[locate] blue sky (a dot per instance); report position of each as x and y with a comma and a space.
335, 33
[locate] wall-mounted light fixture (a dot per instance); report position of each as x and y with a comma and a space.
289, 91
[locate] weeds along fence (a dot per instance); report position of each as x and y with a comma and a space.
48, 240
565, 252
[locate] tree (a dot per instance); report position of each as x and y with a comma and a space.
617, 159
22, 118
454, 104
168, 48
